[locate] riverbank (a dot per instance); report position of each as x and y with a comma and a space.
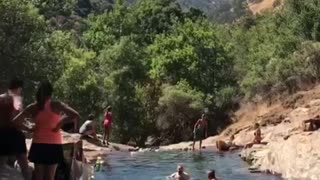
91, 148
290, 152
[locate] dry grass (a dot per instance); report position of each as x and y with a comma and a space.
266, 113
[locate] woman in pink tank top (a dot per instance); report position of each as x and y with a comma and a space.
107, 124
46, 150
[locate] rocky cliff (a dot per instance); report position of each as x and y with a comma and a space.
290, 152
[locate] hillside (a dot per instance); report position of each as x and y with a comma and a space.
263, 5
216, 10
290, 152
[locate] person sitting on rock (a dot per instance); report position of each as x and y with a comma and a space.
180, 174
257, 136
89, 127
226, 146
212, 175
314, 124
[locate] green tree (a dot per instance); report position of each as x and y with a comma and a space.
54, 8
108, 28
194, 53
179, 108
123, 68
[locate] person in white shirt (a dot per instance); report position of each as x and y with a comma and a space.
88, 128
180, 174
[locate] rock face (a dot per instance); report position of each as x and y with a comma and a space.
210, 143
290, 152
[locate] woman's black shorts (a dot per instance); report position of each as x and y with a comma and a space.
46, 154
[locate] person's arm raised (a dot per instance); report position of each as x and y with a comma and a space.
68, 111
29, 112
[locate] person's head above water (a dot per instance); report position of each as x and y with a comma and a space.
15, 86
180, 169
44, 92
91, 117
212, 175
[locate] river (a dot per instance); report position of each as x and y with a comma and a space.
158, 165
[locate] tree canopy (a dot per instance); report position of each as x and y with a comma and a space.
158, 63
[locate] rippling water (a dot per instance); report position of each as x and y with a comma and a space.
158, 165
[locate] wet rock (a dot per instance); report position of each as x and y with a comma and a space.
133, 149
152, 141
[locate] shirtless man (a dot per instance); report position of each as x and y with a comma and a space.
212, 175
180, 174
200, 131
12, 140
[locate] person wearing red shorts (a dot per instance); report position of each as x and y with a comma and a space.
107, 124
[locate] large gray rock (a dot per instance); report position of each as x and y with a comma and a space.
290, 152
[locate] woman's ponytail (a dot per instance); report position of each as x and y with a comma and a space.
44, 92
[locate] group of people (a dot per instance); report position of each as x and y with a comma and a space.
182, 175
200, 132
46, 150
48, 116
89, 127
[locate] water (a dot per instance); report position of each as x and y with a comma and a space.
159, 165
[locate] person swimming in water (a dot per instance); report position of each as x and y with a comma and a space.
200, 131
257, 136
180, 174
46, 150
212, 175
107, 124
12, 139
89, 127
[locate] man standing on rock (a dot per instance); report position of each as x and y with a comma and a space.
200, 131
12, 140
